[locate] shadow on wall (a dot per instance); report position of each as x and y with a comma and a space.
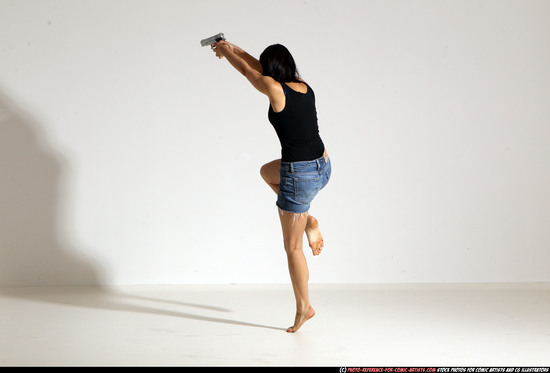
32, 251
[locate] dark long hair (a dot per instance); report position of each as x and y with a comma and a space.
278, 63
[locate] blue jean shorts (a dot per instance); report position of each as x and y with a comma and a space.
300, 183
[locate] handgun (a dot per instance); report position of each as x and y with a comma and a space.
212, 40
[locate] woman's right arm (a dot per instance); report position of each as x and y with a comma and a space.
251, 61
251, 69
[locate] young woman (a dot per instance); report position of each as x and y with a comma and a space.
304, 168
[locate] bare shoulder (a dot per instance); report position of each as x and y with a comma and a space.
269, 87
262, 83
276, 94
273, 86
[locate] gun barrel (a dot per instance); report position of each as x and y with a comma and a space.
213, 39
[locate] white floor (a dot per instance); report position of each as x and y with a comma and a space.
244, 325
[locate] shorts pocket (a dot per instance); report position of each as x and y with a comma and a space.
287, 185
306, 189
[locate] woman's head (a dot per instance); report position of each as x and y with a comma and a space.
277, 62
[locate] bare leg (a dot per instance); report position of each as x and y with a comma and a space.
293, 226
270, 174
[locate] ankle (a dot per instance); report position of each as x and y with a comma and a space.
303, 308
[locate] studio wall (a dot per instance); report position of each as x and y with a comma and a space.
129, 154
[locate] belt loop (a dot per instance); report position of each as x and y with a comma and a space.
291, 167
318, 164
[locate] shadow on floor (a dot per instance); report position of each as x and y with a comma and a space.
98, 297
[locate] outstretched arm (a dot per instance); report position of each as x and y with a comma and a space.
251, 61
246, 65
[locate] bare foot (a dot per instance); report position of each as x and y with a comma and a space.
300, 319
314, 235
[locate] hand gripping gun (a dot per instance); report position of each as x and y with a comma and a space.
212, 40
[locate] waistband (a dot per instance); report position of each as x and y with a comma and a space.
316, 164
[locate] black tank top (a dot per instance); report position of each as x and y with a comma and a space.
296, 126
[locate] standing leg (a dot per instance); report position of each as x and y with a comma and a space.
293, 226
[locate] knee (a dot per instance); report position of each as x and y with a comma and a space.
264, 172
293, 247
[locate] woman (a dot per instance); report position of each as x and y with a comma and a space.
304, 167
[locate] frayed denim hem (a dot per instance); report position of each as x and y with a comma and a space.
299, 214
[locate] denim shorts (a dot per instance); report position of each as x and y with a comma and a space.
300, 183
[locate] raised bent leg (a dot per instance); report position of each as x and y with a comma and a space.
293, 226
314, 236
270, 174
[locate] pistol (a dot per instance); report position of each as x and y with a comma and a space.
212, 40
